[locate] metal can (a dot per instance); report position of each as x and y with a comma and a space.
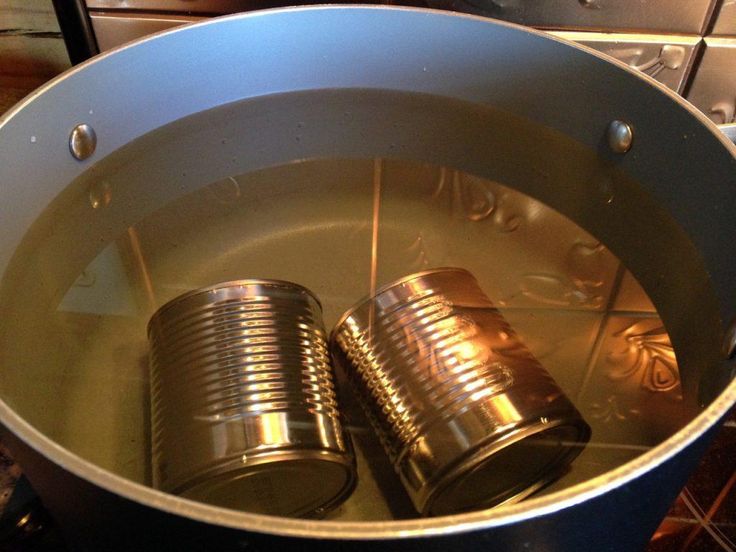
469, 418
243, 405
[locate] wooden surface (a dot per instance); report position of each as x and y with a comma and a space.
31, 48
10, 96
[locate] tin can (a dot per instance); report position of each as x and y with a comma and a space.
469, 418
243, 406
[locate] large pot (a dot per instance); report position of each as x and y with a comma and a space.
678, 230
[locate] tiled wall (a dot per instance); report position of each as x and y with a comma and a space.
688, 46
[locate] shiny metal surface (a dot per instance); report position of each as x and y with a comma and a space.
82, 141
669, 16
620, 136
726, 19
113, 29
670, 135
467, 415
713, 89
244, 412
667, 58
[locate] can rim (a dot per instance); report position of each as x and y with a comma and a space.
485, 452
158, 313
343, 459
385, 287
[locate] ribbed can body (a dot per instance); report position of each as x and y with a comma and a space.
243, 403
467, 415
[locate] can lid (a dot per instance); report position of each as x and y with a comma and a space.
232, 284
508, 470
386, 287
294, 485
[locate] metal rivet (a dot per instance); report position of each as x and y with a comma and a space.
620, 136
729, 341
82, 141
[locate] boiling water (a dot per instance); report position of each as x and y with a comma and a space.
215, 198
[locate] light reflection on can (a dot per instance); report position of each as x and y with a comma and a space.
469, 418
243, 405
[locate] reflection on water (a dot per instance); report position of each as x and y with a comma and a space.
557, 285
648, 355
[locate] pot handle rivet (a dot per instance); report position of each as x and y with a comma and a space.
82, 141
620, 136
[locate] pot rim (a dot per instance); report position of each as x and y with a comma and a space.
383, 530
394, 529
